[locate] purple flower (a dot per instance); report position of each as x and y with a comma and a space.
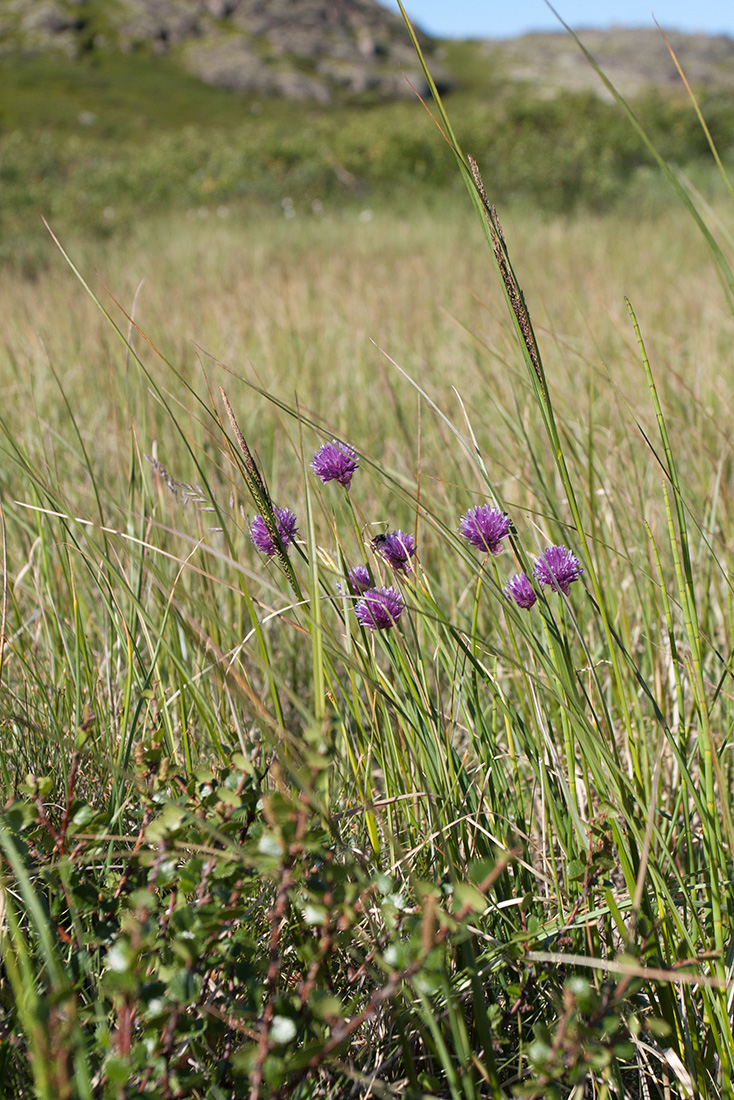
397, 548
335, 462
286, 529
519, 589
358, 580
558, 568
379, 608
485, 527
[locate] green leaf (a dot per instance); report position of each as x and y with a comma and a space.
117, 1070
575, 870
657, 1027
121, 956
283, 1029
168, 821
325, 1006
270, 845
83, 816
467, 896
315, 914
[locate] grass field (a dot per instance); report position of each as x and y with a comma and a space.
257, 840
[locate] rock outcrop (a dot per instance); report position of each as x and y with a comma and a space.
633, 59
304, 49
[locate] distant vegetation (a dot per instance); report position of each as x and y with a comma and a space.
96, 144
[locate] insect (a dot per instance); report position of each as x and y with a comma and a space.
378, 540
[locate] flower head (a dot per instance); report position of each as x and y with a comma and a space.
558, 568
335, 462
397, 548
485, 527
519, 589
379, 608
287, 527
358, 580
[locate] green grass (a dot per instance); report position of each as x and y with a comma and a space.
250, 848
129, 96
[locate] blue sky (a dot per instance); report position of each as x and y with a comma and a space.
501, 18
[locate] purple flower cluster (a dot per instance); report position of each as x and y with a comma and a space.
556, 568
358, 580
519, 589
287, 527
397, 548
380, 608
332, 462
485, 527
335, 462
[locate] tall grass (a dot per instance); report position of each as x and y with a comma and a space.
253, 848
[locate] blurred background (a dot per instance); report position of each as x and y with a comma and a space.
111, 114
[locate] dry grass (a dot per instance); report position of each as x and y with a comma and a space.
300, 306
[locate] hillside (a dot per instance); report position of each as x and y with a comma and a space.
633, 59
115, 110
331, 51
318, 50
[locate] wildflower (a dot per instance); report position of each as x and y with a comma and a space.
379, 608
287, 528
485, 527
397, 548
358, 580
335, 462
519, 589
558, 568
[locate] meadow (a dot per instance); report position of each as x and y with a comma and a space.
260, 840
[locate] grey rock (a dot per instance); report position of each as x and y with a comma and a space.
47, 17
632, 59
303, 49
229, 61
39, 28
163, 22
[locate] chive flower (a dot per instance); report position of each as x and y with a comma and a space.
485, 527
397, 548
358, 580
557, 568
379, 608
287, 527
519, 589
335, 462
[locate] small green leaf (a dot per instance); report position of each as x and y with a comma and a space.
270, 845
229, 797
83, 816
539, 1053
121, 956
657, 1027
467, 896
117, 1070
167, 822
283, 1029
576, 870
315, 914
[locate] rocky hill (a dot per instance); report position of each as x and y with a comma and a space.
303, 49
334, 50
633, 59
